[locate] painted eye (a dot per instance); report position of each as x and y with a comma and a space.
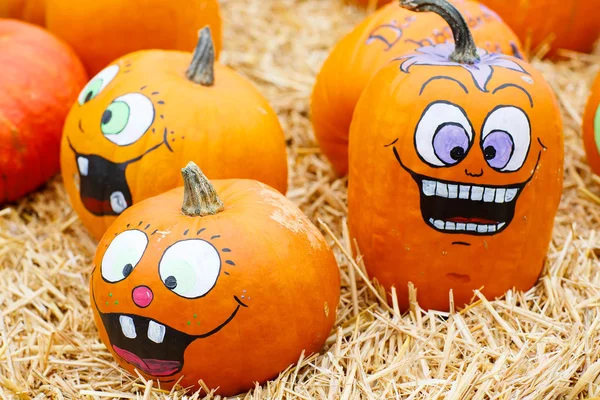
444, 135
123, 255
97, 84
190, 268
127, 118
506, 138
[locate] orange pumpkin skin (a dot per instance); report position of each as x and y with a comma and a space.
386, 34
228, 129
128, 26
574, 24
591, 128
455, 225
378, 3
275, 295
35, 98
32, 11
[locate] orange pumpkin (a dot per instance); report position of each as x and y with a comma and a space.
141, 116
456, 166
591, 128
35, 98
32, 11
386, 34
102, 31
230, 292
374, 2
564, 24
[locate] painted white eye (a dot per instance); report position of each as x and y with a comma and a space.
444, 135
127, 118
190, 268
506, 138
123, 255
97, 84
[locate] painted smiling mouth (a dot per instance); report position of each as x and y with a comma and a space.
453, 207
154, 348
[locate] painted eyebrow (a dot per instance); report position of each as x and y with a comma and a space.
506, 85
435, 78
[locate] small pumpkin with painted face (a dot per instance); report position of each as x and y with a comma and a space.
456, 163
211, 290
144, 114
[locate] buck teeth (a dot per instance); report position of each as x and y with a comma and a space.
156, 332
83, 165
467, 192
458, 226
127, 327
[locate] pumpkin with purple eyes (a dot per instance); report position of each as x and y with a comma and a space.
456, 162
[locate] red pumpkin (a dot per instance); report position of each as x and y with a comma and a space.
456, 168
386, 34
591, 127
41, 77
563, 24
230, 288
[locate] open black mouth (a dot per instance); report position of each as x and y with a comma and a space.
152, 347
455, 207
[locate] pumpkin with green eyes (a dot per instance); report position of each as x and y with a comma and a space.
211, 289
144, 114
456, 167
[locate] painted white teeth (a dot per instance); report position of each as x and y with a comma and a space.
482, 228
461, 227
466, 192
439, 224
428, 188
450, 226
117, 202
441, 190
127, 327
470, 227
83, 165
156, 332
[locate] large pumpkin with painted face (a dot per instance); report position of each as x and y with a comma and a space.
144, 115
591, 127
230, 288
388, 33
456, 165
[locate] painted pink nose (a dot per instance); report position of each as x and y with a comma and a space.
142, 296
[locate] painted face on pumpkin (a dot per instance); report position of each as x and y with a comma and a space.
471, 169
152, 311
122, 120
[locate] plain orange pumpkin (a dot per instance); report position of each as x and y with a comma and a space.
567, 24
145, 115
102, 31
41, 77
591, 127
231, 288
456, 168
386, 34
32, 11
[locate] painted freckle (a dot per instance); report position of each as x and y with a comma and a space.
189, 322
117, 302
195, 315
110, 295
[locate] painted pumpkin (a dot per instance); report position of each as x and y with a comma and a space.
456, 166
230, 292
143, 115
566, 24
102, 31
591, 128
34, 100
32, 11
386, 34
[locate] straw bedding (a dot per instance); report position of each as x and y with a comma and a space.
543, 344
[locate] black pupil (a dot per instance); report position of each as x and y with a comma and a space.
106, 117
88, 96
171, 282
127, 270
489, 153
457, 153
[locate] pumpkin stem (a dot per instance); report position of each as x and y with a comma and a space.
199, 196
201, 69
465, 51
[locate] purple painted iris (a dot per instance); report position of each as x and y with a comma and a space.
498, 148
450, 143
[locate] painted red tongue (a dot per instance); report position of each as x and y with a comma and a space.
472, 220
149, 366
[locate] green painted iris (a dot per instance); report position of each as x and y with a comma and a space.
181, 276
91, 90
115, 118
597, 128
